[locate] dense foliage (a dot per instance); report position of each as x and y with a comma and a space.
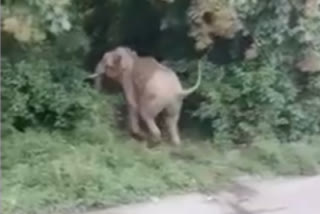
42, 93
266, 94
260, 86
249, 101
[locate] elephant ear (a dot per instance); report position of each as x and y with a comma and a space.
124, 59
110, 66
118, 62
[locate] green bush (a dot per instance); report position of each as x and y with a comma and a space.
242, 102
49, 93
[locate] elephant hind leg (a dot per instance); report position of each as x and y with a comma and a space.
171, 119
149, 109
152, 126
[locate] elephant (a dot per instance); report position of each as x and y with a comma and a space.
149, 89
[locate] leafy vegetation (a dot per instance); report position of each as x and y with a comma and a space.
64, 145
251, 100
37, 93
90, 167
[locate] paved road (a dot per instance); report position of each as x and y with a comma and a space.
246, 196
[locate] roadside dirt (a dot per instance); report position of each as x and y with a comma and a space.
246, 196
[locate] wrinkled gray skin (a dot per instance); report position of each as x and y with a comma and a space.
149, 88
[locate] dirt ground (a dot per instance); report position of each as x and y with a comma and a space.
245, 196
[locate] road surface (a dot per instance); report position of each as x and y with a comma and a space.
246, 196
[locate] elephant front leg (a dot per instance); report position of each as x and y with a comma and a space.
153, 128
98, 83
134, 125
98, 77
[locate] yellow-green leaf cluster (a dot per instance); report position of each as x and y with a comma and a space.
211, 18
29, 21
23, 28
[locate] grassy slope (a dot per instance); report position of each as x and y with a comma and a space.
93, 166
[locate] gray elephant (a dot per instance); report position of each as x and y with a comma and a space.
149, 88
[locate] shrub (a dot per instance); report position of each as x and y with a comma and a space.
243, 102
47, 93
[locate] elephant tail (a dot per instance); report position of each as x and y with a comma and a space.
187, 92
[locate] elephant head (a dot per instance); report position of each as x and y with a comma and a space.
115, 63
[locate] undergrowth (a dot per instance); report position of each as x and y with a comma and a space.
93, 167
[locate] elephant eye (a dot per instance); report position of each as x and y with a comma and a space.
108, 67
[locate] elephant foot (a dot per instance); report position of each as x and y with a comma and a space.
176, 141
152, 144
138, 135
